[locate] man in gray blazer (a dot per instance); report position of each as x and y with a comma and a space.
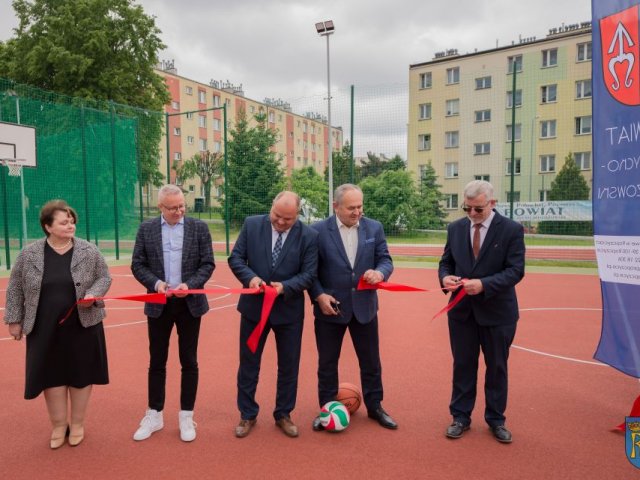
350, 246
279, 250
172, 252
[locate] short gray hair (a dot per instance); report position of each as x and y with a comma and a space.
167, 190
342, 189
478, 187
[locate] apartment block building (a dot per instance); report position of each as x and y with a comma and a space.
460, 115
196, 124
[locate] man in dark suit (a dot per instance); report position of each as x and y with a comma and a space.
484, 254
350, 247
279, 250
172, 252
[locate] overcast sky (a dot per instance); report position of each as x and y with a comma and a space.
273, 50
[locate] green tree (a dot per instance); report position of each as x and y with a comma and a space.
372, 167
207, 166
431, 215
391, 198
254, 173
395, 163
98, 50
569, 184
342, 167
313, 190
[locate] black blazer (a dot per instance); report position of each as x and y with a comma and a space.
147, 262
500, 266
296, 268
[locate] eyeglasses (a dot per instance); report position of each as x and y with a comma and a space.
477, 209
174, 209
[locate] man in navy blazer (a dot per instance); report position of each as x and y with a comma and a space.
350, 247
279, 250
172, 252
485, 255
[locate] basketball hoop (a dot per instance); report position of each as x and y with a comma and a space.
15, 168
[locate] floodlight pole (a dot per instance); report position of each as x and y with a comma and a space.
325, 29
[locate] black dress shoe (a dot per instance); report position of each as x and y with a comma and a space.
382, 417
456, 429
502, 434
317, 424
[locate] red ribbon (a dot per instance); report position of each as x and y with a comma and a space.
270, 294
635, 412
398, 287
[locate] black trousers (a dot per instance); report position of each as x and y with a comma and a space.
467, 338
175, 312
288, 345
365, 340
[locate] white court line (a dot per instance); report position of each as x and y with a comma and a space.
560, 357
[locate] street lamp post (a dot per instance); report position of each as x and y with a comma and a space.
325, 29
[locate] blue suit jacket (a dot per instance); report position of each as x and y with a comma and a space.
147, 262
500, 266
338, 279
295, 268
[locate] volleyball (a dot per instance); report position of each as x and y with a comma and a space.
334, 416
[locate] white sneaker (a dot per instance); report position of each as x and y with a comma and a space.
152, 422
187, 426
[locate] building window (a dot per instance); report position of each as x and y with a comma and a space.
583, 160
175, 105
190, 140
516, 164
584, 52
510, 98
544, 195
252, 109
583, 89
549, 93
482, 148
549, 57
424, 110
518, 135
424, 142
202, 121
548, 129
451, 201
483, 115
547, 163
451, 139
216, 124
453, 75
483, 82
192, 188
177, 156
202, 96
304, 127
484, 177
272, 117
188, 90
216, 100
583, 125
422, 171
453, 107
217, 146
425, 80
176, 131
451, 170
517, 60
513, 196
227, 102
189, 115
203, 144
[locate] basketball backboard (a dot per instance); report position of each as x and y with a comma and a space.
17, 144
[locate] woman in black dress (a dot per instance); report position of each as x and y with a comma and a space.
66, 351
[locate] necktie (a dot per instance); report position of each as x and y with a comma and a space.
277, 248
476, 240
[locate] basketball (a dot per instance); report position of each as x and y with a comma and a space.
349, 395
334, 416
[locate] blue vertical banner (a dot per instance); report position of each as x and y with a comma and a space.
616, 178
